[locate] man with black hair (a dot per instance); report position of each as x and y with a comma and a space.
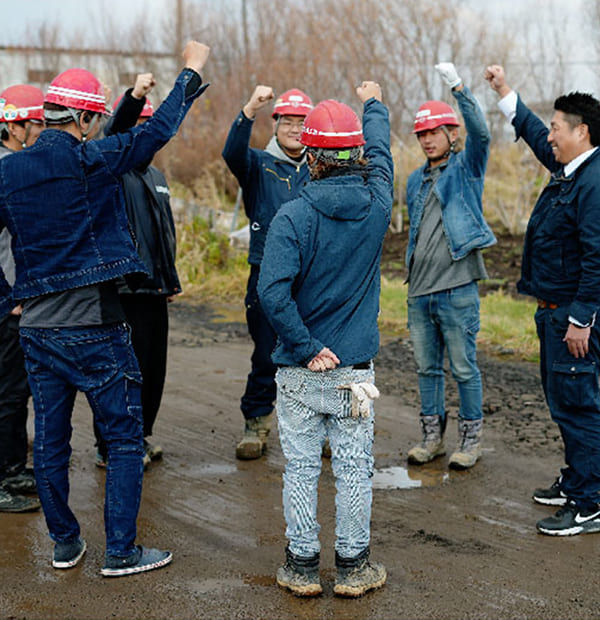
561, 269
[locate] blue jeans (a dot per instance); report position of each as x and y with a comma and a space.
447, 320
310, 408
571, 388
98, 361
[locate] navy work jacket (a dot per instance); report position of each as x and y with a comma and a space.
561, 254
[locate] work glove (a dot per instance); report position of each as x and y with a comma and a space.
448, 72
362, 395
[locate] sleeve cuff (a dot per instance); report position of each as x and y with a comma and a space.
508, 105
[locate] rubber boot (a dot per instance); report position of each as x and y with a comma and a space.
300, 574
356, 576
254, 441
468, 450
432, 444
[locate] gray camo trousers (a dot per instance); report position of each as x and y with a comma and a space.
311, 408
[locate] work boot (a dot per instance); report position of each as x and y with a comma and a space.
300, 574
356, 576
17, 503
468, 450
432, 444
21, 482
254, 441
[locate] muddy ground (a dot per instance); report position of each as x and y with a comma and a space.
457, 545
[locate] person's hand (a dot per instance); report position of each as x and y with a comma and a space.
448, 73
195, 55
324, 360
496, 78
17, 310
577, 339
259, 99
368, 90
143, 85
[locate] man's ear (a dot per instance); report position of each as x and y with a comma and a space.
86, 117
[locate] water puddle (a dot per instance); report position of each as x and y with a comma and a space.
404, 478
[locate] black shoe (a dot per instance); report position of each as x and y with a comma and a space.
552, 496
17, 503
570, 520
300, 575
22, 482
68, 554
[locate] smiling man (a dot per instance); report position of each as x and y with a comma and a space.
561, 269
268, 178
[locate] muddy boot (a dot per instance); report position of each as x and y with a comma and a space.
254, 441
300, 575
468, 450
432, 444
356, 576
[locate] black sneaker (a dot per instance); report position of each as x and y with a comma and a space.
140, 561
570, 520
68, 554
10, 502
552, 496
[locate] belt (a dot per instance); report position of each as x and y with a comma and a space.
546, 304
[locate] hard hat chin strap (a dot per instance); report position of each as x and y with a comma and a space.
76, 114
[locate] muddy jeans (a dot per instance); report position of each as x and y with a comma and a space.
310, 409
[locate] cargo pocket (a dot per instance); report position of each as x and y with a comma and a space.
574, 385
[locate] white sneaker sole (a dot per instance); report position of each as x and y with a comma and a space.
136, 568
73, 562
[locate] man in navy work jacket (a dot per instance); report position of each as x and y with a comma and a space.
319, 286
561, 269
62, 203
447, 233
268, 179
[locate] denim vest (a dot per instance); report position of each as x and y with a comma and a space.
62, 202
459, 188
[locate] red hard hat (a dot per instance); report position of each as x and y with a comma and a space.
79, 89
147, 110
332, 125
292, 103
434, 114
21, 103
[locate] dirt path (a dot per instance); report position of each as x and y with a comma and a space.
456, 545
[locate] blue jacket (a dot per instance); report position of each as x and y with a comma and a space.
459, 188
267, 182
319, 283
61, 201
561, 254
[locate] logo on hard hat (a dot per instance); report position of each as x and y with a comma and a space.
421, 113
9, 112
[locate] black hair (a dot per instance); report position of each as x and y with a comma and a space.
581, 108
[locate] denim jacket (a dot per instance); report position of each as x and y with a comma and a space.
266, 181
319, 282
62, 202
459, 188
561, 254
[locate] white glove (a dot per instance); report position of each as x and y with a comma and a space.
448, 72
362, 396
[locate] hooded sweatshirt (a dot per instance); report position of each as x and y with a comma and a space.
320, 279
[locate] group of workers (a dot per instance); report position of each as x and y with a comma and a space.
87, 254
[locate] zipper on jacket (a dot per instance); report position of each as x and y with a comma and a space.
286, 179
